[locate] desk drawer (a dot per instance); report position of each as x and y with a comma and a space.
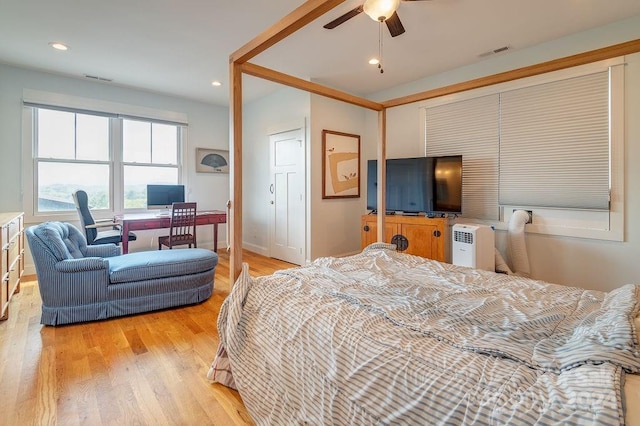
154, 223
164, 223
210, 219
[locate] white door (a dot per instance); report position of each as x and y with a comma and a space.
287, 233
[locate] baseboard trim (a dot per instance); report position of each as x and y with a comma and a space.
256, 249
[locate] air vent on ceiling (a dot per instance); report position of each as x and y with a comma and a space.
494, 51
95, 77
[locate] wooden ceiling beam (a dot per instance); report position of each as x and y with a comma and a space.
584, 58
303, 15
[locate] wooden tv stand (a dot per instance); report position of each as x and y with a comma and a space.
417, 235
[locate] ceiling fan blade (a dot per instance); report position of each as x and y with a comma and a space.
395, 26
344, 18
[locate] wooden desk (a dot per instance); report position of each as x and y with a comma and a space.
141, 221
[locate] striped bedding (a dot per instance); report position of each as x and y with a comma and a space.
387, 338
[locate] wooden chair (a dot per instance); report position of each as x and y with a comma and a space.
182, 228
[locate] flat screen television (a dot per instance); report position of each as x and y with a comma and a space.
429, 185
447, 184
163, 196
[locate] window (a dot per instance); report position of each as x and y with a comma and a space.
469, 128
110, 157
554, 144
149, 156
551, 144
72, 152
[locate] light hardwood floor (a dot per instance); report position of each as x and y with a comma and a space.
146, 369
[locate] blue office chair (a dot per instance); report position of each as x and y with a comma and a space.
112, 235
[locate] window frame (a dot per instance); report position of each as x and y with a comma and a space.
33, 99
122, 163
602, 225
38, 160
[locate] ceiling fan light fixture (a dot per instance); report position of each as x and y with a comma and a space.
374, 61
380, 10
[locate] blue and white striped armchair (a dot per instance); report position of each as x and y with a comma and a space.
80, 282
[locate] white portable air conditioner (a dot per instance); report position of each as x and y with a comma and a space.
474, 246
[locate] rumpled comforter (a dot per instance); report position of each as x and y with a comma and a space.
387, 338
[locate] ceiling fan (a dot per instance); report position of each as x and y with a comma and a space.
378, 10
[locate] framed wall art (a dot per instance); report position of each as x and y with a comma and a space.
212, 160
340, 165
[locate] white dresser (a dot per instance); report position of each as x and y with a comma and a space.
12, 243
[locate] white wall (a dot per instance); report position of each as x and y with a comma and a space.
208, 127
335, 223
283, 110
593, 264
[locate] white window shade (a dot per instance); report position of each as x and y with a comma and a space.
554, 144
469, 128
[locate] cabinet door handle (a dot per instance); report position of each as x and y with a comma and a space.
401, 242
436, 233
366, 228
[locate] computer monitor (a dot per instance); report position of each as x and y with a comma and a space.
163, 196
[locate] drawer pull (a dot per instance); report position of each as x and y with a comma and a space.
401, 242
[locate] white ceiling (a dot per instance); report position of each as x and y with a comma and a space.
179, 47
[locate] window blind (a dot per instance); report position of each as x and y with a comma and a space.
554, 144
469, 128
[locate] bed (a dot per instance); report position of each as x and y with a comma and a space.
388, 338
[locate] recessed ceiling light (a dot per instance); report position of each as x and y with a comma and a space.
58, 46
374, 61
216, 83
